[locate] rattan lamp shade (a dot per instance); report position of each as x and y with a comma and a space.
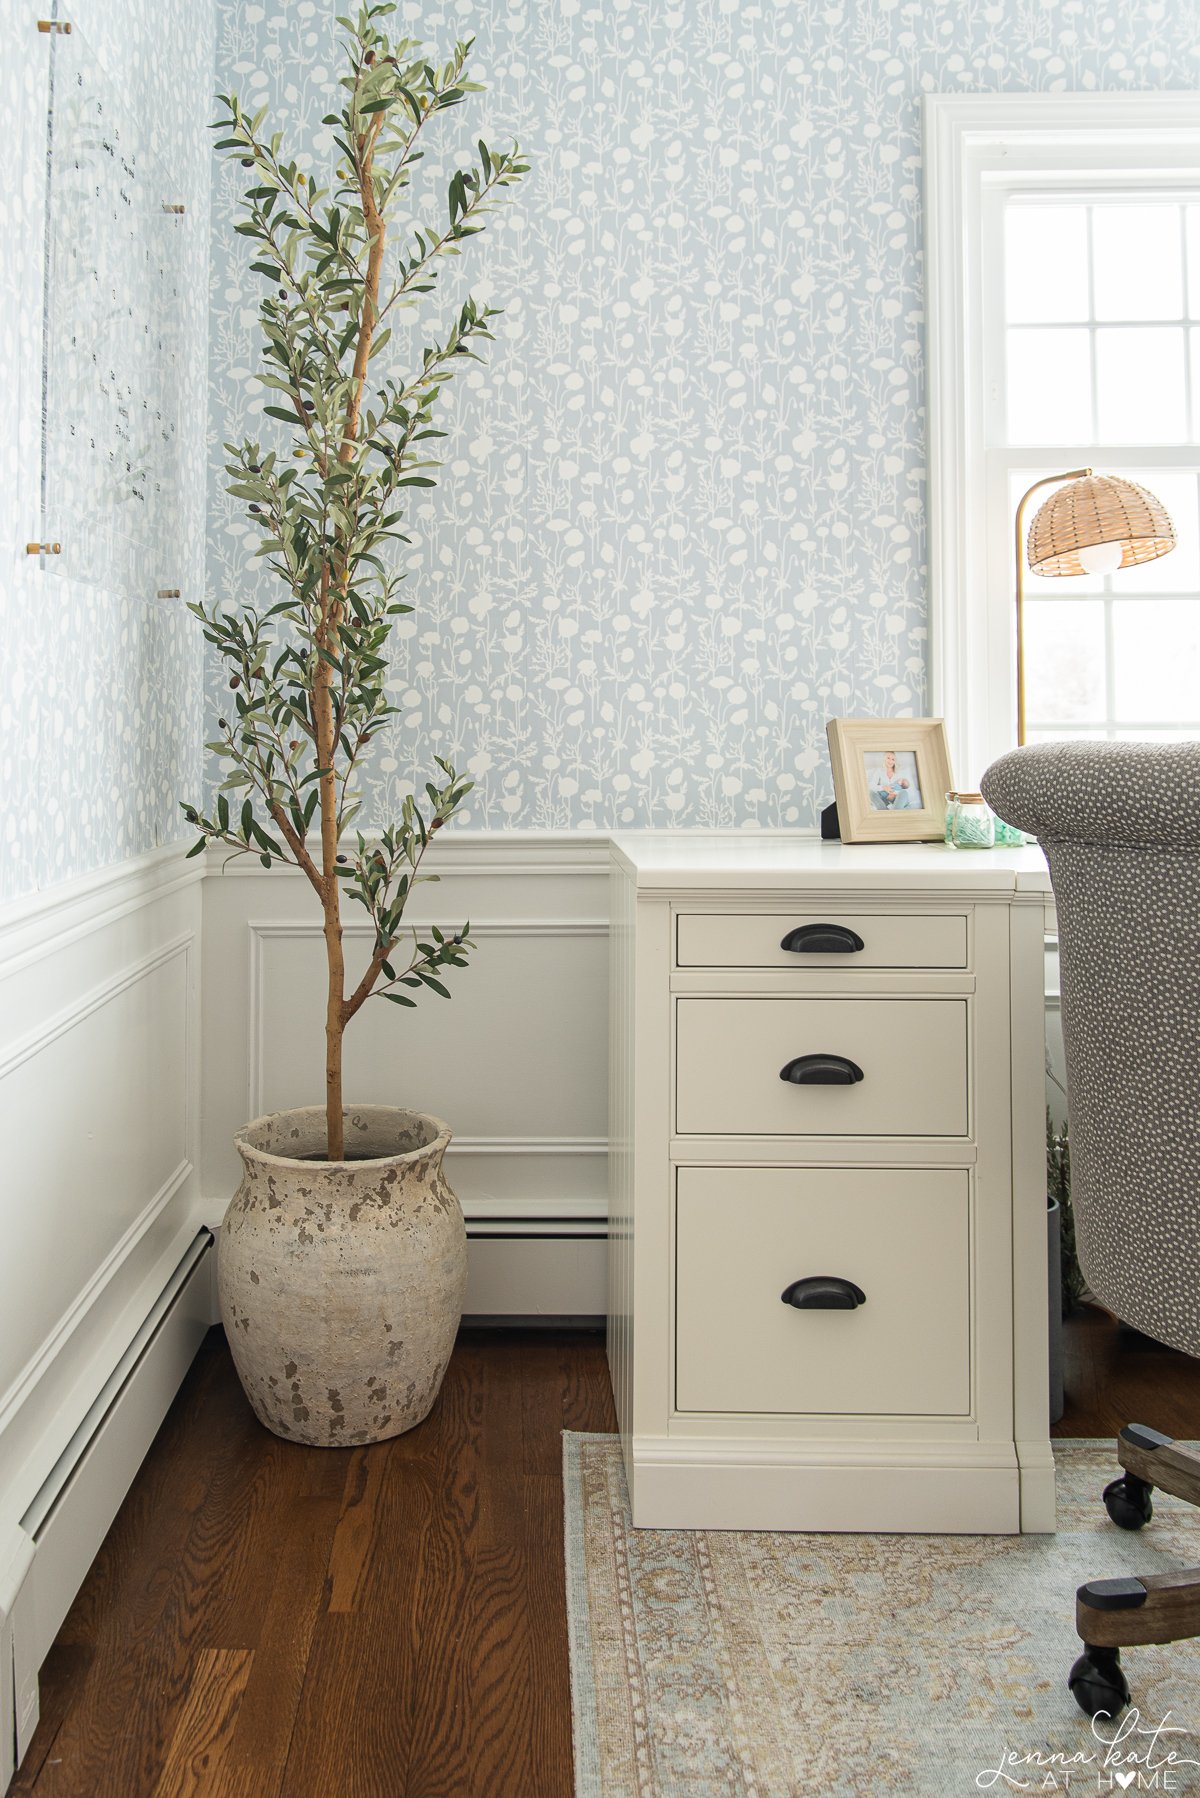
1100, 508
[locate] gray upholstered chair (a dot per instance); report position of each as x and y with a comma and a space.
1120, 826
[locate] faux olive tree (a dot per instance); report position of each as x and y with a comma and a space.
307, 674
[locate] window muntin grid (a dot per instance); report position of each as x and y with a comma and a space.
1102, 348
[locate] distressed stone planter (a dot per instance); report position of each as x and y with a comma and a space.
341, 1283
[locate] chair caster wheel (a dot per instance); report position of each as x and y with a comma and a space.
1127, 1502
1098, 1684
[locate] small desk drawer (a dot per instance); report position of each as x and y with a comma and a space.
820, 940
910, 1054
901, 1235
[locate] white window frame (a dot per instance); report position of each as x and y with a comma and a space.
975, 146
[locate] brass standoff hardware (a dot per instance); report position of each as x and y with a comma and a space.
62, 26
168, 593
43, 549
174, 208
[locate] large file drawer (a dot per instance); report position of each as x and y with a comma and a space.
909, 1056
900, 1235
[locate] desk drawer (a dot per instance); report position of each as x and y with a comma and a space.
744, 1235
820, 940
911, 1055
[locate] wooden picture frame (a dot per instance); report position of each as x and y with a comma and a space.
890, 778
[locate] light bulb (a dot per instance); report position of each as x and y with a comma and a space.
1100, 558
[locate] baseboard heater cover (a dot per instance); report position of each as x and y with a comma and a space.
536, 1270
515, 1320
76, 1503
39, 1514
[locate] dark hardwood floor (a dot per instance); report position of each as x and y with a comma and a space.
387, 1622
278, 1622
1115, 1375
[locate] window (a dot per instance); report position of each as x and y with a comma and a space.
1099, 331
1064, 321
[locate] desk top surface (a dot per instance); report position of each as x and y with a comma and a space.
701, 860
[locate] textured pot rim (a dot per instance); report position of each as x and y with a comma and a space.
437, 1145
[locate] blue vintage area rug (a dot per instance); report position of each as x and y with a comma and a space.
709, 1664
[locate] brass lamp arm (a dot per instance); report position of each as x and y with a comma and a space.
1050, 480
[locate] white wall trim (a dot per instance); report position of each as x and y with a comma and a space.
71, 1015
260, 931
362, 927
60, 915
34, 1369
498, 852
69, 1018
464, 852
530, 1145
535, 1213
973, 142
92, 970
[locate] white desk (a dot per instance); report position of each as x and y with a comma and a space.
901, 1162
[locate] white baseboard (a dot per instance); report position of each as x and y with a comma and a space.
537, 1277
910, 1487
16, 1605
537, 1273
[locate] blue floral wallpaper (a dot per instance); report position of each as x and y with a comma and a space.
101, 715
682, 516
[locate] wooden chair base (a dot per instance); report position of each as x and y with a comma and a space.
1111, 1614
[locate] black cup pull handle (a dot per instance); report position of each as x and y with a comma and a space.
821, 1070
822, 939
824, 1292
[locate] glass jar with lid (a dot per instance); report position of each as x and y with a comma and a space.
974, 826
951, 808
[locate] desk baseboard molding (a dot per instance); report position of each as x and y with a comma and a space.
771, 1485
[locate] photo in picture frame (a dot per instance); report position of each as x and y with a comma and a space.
890, 778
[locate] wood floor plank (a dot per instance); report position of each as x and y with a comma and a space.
62, 1677
550, 1673
357, 1530
205, 1725
439, 1690
500, 1745
115, 1732
477, 1735
587, 1389
257, 1757
352, 1728
542, 1414
351, 1734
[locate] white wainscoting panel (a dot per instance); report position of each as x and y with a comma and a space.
515, 1061
95, 1104
99, 1110
490, 1060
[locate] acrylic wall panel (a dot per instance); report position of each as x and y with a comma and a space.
113, 343
100, 716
